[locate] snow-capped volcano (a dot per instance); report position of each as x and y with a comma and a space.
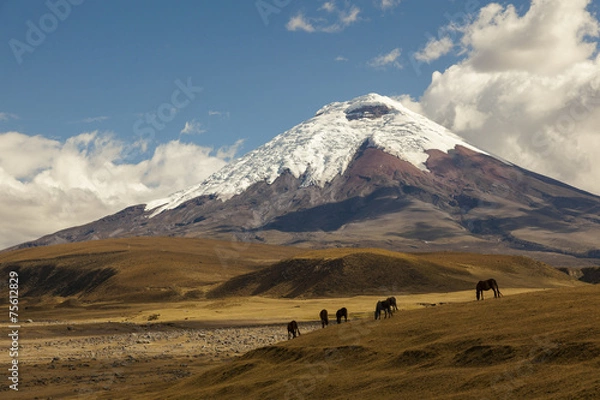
369, 172
321, 148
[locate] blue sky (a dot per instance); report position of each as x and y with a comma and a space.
105, 104
113, 60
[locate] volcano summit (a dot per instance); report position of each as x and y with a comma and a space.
321, 148
369, 172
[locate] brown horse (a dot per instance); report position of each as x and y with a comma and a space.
342, 312
293, 330
487, 285
393, 304
324, 318
384, 306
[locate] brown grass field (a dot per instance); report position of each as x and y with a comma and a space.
148, 318
543, 345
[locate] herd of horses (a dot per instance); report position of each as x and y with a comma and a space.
388, 306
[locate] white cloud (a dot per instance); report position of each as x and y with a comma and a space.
387, 4
341, 58
4, 116
300, 23
349, 17
549, 38
434, 49
192, 127
335, 19
62, 184
328, 6
527, 89
388, 59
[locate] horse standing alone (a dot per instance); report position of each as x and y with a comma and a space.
324, 318
487, 285
342, 312
384, 306
293, 329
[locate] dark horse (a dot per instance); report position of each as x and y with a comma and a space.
487, 285
393, 304
384, 306
342, 312
293, 329
324, 318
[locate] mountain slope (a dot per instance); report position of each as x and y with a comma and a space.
369, 172
321, 148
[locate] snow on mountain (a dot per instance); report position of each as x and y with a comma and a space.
322, 147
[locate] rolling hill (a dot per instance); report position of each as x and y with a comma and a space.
134, 269
151, 269
543, 345
353, 272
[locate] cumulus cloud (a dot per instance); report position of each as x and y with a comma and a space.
332, 19
527, 88
62, 184
435, 49
387, 60
549, 38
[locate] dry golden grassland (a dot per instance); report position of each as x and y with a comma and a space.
542, 345
130, 318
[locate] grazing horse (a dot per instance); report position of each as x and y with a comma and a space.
393, 304
324, 318
487, 285
385, 306
293, 329
342, 312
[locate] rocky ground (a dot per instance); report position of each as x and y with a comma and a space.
74, 363
207, 342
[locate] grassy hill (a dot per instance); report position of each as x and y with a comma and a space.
352, 272
140, 270
136, 269
542, 345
